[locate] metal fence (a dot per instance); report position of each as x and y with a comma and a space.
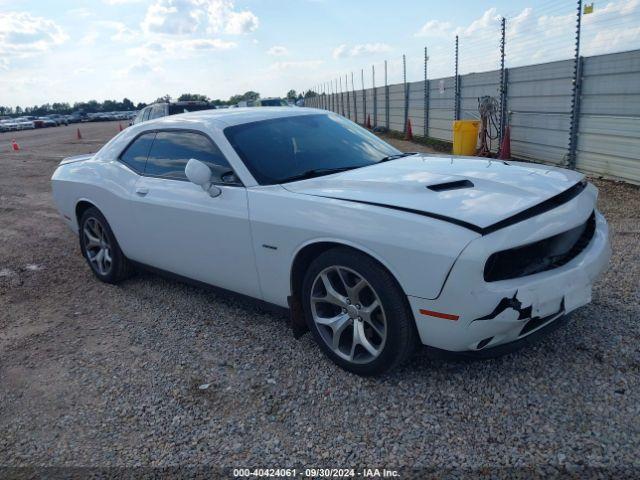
581, 113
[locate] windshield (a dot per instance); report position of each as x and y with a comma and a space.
281, 149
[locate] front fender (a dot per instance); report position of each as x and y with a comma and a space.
418, 251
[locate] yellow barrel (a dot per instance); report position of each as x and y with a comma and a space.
465, 137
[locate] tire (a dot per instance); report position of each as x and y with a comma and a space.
95, 235
389, 330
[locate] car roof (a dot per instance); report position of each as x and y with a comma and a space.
227, 117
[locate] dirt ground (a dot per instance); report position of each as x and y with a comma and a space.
94, 374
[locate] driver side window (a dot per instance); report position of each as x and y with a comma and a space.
172, 150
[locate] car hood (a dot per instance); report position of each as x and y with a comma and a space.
486, 192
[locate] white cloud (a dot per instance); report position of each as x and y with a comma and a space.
142, 68
179, 17
204, 44
177, 48
23, 35
174, 17
435, 28
302, 64
343, 50
489, 21
339, 51
223, 18
277, 51
89, 39
83, 70
239, 23
120, 2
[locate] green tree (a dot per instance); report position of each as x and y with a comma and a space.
291, 94
193, 97
127, 104
246, 96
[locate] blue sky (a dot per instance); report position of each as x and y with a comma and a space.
71, 50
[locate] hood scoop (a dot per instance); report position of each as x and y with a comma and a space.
456, 185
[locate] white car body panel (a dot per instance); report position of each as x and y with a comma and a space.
199, 237
247, 239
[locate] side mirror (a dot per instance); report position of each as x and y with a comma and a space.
200, 174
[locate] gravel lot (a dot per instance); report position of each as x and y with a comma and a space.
100, 375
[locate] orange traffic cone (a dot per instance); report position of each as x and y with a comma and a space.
120, 127
15, 146
505, 146
409, 133
368, 125
78, 135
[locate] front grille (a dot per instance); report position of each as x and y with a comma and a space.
543, 255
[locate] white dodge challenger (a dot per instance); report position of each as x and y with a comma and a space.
373, 250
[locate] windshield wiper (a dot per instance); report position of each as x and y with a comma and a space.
316, 172
396, 156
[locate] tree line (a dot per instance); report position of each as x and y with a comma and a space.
93, 106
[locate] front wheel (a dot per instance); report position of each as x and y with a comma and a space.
357, 312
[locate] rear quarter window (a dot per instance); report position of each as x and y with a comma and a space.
135, 155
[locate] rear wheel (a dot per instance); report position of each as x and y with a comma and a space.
357, 312
100, 248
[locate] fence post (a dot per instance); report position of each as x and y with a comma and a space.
456, 101
355, 106
386, 97
324, 95
364, 98
346, 87
341, 97
406, 93
503, 83
426, 96
575, 98
375, 96
327, 90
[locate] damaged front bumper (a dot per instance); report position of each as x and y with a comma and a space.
480, 316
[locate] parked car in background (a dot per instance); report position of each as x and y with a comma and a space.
271, 102
158, 110
48, 122
25, 124
373, 250
9, 125
59, 119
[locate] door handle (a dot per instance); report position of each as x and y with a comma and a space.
142, 191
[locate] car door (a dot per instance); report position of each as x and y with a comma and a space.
181, 228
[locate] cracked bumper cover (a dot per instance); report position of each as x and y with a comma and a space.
500, 310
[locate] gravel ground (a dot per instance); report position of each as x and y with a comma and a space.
100, 375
